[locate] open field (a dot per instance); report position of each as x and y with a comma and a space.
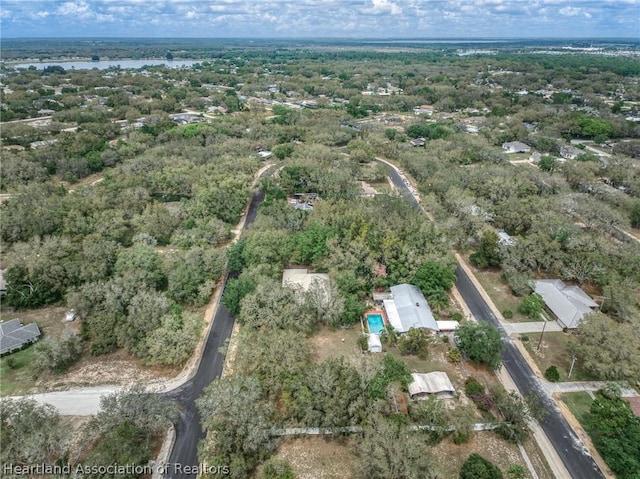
554, 351
500, 293
324, 457
319, 457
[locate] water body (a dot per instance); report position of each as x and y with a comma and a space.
105, 64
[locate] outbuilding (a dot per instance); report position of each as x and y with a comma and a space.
435, 383
374, 343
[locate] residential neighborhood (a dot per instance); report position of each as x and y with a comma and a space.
335, 259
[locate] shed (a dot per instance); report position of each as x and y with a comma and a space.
374, 343
13, 335
445, 326
437, 382
568, 303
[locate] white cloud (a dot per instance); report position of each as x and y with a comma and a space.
383, 6
569, 11
78, 9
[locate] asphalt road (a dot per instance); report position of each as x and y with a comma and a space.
573, 454
183, 460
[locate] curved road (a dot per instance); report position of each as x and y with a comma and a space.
183, 460
574, 455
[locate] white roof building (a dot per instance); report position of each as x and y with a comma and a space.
13, 335
374, 343
568, 303
409, 309
516, 147
437, 382
301, 279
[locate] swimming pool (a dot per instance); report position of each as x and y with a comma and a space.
375, 323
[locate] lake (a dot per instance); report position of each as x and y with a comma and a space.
104, 64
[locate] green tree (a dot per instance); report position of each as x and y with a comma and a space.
434, 278
608, 350
388, 450
532, 306
547, 163
488, 254
31, 433
615, 431
126, 428
635, 215
236, 418
477, 467
235, 291
481, 342
416, 342
58, 354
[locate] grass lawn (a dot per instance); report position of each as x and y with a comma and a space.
22, 376
500, 293
554, 351
19, 376
579, 404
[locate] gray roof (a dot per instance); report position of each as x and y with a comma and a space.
436, 382
13, 335
569, 303
413, 309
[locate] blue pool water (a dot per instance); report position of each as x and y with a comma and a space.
375, 322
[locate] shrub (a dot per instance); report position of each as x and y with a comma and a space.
461, 436
524, 338
517, 471
507, 314
414, 342
277, 469
445, 339
476, 467
457, 316
532, 305
552, 374
363, 343
454, 356
473, 387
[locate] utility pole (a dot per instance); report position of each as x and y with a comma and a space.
540, 340
573, 361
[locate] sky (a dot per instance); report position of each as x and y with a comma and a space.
321, 18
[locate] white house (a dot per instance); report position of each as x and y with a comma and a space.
568, 303
409, 309
516, 147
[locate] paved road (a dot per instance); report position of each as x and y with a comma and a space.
573, 454
188, 429
570, 449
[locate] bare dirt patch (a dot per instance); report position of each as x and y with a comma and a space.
319, 458
334, 343
117, 368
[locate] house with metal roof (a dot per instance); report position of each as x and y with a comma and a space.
568, 303
13, 335
435, 383
516, 147
408, 309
